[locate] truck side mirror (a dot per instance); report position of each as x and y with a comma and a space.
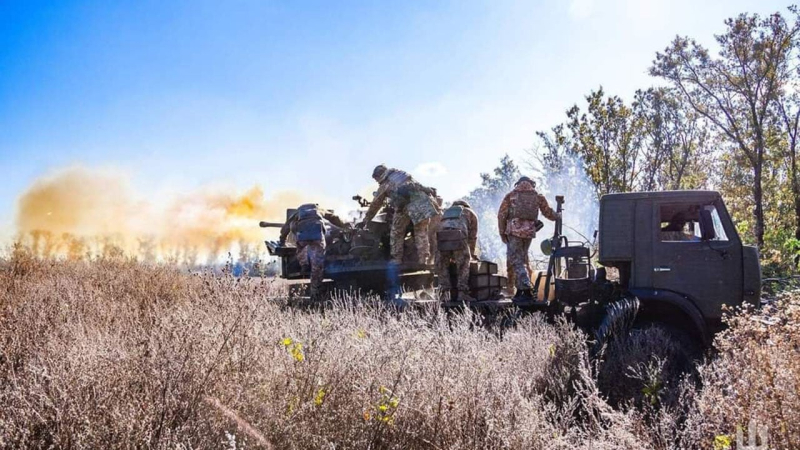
707, 225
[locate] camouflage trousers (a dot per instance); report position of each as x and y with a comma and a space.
397, 237
519, 262
433, 227
512, 277
312, 253
461, 259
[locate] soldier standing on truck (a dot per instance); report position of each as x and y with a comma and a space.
517, 223
308, 226
413, 204
457, 238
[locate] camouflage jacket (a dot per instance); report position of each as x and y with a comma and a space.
520, 227
420, 204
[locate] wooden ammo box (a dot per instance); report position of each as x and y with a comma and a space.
482, 267
484, 283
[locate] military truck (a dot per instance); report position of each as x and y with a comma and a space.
678, 259
678, 252
676, 256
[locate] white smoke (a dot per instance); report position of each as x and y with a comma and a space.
581, 207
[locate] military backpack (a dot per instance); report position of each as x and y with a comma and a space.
524, 205
452, 234
310, 225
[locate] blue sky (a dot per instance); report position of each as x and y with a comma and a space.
310, 95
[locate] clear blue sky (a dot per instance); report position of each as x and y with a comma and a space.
183, 94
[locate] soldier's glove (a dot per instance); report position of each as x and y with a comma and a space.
504, 238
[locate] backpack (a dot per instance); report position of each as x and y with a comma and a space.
452, 233
309, 225
524, 205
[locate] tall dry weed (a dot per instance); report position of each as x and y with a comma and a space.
112, 353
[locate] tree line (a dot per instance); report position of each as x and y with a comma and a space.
726, 120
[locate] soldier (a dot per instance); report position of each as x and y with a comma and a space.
413, 204
309, 229
457, 238
517, 220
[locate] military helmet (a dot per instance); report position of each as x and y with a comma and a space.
378, 171
524, 178
461, 203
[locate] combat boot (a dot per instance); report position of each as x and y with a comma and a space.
523, 295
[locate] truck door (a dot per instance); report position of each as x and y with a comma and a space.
708, 272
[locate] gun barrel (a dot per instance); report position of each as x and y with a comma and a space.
263, 224
559, 210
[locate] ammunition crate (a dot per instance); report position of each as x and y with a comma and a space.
482, 267
485, 280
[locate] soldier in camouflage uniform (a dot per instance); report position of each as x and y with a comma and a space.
517, 219
308, 227
457, 239
413, 205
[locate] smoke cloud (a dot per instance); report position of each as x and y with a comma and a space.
79, 212
581, 206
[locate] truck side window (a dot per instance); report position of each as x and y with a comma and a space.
681, 223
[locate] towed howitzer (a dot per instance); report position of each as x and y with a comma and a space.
355, 258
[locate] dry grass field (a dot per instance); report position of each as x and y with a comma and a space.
113, 353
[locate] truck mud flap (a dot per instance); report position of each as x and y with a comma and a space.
617, 321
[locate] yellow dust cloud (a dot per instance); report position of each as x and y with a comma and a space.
80, 211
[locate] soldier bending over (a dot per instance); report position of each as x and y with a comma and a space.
413, 204
308, 226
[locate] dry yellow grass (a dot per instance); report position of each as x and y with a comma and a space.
117, 354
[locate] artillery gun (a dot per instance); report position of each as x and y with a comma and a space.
355, 259
677, 257
358, 259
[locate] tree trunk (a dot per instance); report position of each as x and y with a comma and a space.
795, 188
758, 212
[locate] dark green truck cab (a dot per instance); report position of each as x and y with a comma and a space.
680, 254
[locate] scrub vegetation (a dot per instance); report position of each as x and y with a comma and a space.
115, 353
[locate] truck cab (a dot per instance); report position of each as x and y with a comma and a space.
680, 254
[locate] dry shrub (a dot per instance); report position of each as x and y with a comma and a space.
756, 377
113, 353
642, 368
